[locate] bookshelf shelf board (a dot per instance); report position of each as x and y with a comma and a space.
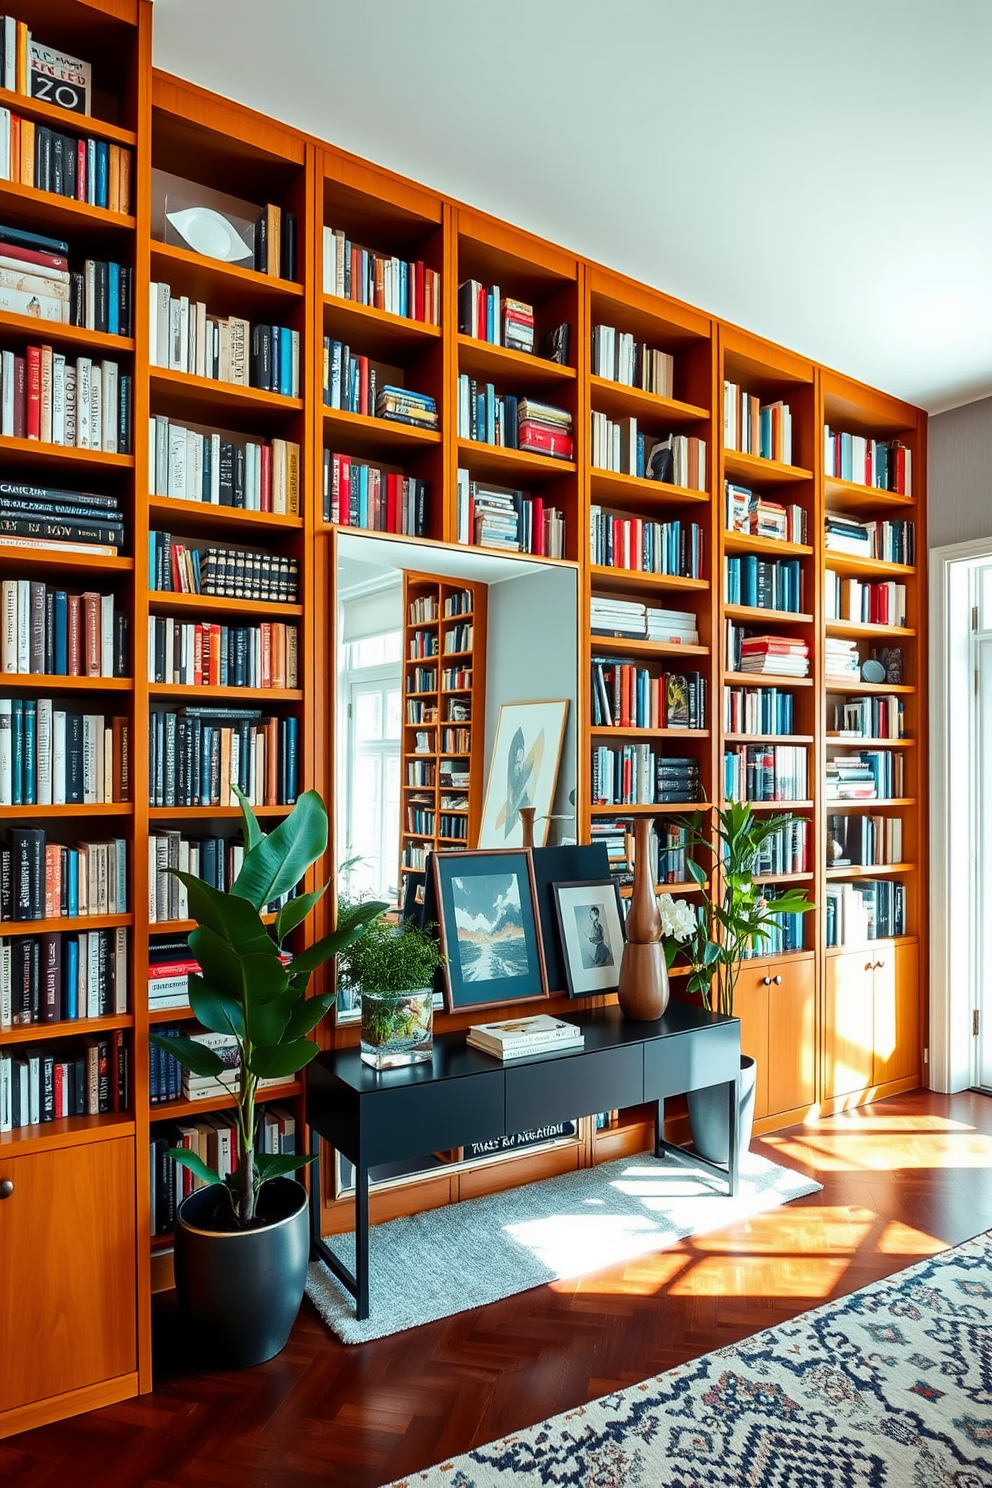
849, 496
878, 870
622, 401
201, 398
611, 645
170, 1110
496, 462
201, 278
210, 813
875, 568
744, 542
612, 485
76, 338
783, 878
346, 433
766, 679
54, 560
627, 889
635, 578
205, 515
834, 684
186, 692
806, 954
777, 617
864, 628
377, 333
752, 468
783, 806
180, 1014
891, 942
46, 683
67, 1131
64, 922
75, 808
768, 738
48, 212
657, 808
629, 731
63, 120
164, 599
838, 741
834, 805
503, 365
63, 458
64, 1028
183, 927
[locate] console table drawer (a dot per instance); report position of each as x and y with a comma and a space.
414, 1119
674, 1065
574, 1086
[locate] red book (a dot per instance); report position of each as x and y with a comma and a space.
544, 440
417, 291
363, 385
537, 525
265, 482
394, 491
198, 639
74, 639
34, 256
58, 1090
33, 407
213, 653
344, 494
335, 488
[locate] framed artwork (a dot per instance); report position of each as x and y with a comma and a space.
591, 924
523, 772
487, 914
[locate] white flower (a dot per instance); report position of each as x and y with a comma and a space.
678, 918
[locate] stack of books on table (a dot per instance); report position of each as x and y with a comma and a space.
406, 407
777, 655
519, 1037
543, 429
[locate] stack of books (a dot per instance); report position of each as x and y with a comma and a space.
618, 617
544, 429
403, 406
846, 535
672, 627
518, 325
759, 517
66, 521
517, 1038
891, 542
780, 656
489, 316
169, 965
841, 660
34, 276
849, 777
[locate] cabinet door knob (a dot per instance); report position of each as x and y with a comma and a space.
879, 963
6, 1187
778, 981
869, 966
766, 981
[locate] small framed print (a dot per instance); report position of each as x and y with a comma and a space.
487, 913
591, 924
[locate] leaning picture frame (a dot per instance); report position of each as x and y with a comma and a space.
523, 771
486, 902
590, 921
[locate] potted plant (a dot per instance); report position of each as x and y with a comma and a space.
730, 922
242, 1244
392, 967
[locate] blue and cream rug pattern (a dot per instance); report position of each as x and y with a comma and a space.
890, 1387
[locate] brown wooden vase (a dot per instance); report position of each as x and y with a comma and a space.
643, 986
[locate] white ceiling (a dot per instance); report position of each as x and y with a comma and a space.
815, 170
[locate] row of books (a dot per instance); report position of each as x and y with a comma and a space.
421, 774
214, 859
52, 632
34, 70
43, 880
421, 644
860, 838
355, 384
200, 654
459, 637
195, 754
274, 244
164, 1068
871, 774
764, 583
620, 357
489, 316
183, 337
772, 655
89, 1077
80, 167
213, 1137
634, 775
456, 679
644, 546
757, 516
420, 680
454, 828
871, 909
756, 428
420, 816
357, 494
488, 417
397, 285
871, 602
884, 464
787, 850
765, 772
629, 696
676, 460
634, 620
226, 573
60, 977
882, 716
667, 848
39, 283
784, 934
890, 542
53, 756
492, 516
758, 710
79, 404
223, 470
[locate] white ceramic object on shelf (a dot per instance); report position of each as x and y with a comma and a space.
210, 233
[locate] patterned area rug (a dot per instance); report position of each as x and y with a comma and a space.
888, 1388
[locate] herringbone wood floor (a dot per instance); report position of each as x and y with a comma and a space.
901, 1180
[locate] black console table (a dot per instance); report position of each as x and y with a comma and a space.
463, 1096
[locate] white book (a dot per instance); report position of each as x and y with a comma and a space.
176, 344
46, 395
153, 324
24, 626
106, 762
58, 398
215, 470
199, 320
163, 333
84, 383
7, 394
5, 1007
120, 855
152, 454
96, 407
10, 52
92, 974
106, 635
6, 752
185, 345
58, 757
110, 394
89, 294
71, 389
177, 462
295, 362
194, 467
90, 776
153, 914
6, 1079
8, 625
43, 724
162, 427
185, 866
5, 173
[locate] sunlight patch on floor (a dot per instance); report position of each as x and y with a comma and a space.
903, 1239
588, 1242
795, 1229
814, 1277
641, 1278
842, 1151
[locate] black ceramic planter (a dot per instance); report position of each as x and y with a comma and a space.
709, 1117
239, 1291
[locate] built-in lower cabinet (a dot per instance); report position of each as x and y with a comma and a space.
870, 1018
776, 1003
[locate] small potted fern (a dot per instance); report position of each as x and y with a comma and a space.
392, 967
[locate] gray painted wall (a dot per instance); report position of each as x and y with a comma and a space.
959, 474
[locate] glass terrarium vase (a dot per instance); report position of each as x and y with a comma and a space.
397, 1027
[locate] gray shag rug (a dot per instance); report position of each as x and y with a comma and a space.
431, 1265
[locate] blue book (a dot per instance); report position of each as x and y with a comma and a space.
91, 172
72, 882
61, 633
70, 976
285, 360
102, 174
17, 752
114, 299
30, 753
404, 298
292, 746
363, 496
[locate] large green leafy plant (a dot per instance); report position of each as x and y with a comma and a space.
246, 989
737, 917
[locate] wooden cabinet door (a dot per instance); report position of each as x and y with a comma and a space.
67, 1270
897, 1010
751, 1006
848, 1023
791, 1036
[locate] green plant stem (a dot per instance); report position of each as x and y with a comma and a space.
246, 1138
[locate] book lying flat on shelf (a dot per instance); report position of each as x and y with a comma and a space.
518, 1037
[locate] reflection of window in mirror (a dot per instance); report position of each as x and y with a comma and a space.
371, 800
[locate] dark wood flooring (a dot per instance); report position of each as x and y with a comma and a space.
901, 1180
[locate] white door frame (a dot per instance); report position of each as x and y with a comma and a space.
953, 909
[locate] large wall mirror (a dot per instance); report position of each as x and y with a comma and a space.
455, 703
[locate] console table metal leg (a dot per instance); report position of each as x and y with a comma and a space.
319, 1250
733, 1096
361, 1238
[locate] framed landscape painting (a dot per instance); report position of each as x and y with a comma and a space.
487, 913
523, 771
